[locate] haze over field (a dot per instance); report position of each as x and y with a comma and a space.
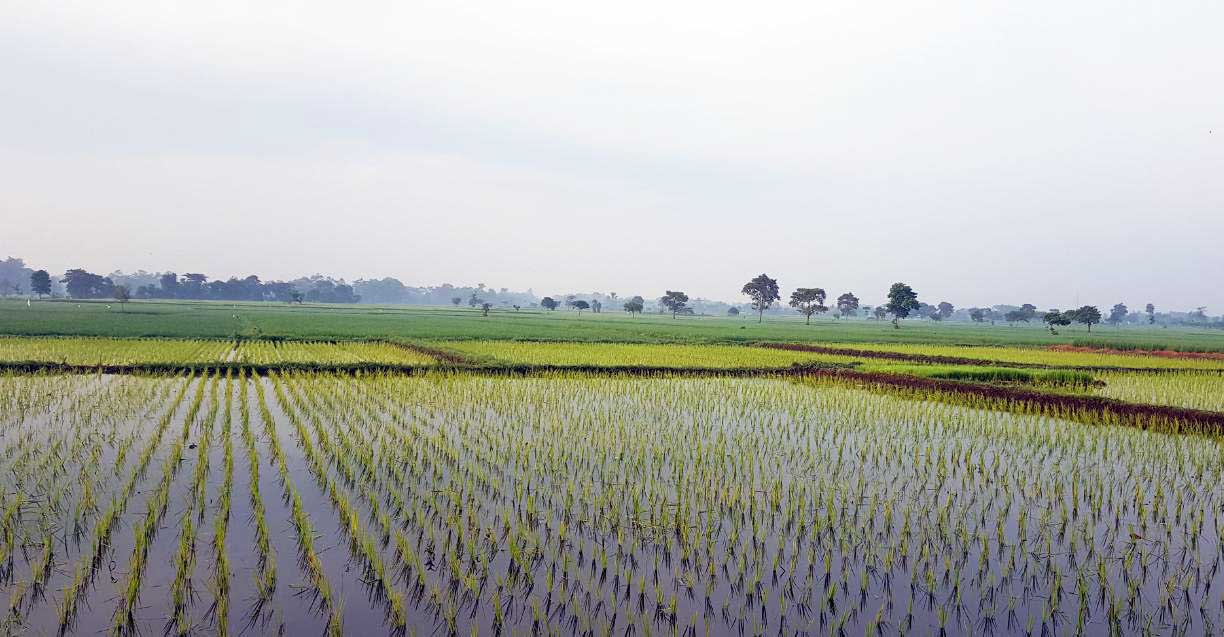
976, 150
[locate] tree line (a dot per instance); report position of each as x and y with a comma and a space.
762, 291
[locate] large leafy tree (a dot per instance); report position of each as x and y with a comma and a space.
1055, 318
763, 291
548, 303
40, 283
635, 305
675, 301
847, 304
1118, 313
902, 299
1086, 315
808, 301
945, 310
81, 284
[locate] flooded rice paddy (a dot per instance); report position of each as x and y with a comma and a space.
456, 505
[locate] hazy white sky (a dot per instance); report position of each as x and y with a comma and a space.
982, 151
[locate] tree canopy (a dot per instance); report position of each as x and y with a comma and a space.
763, 291
808, 301
675, 301
901, 301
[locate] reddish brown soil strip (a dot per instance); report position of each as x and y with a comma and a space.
898, 356
440, 355
1136, 414
957, 360
1161, 353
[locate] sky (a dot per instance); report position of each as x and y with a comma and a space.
983, 152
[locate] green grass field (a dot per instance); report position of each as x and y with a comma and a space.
205, 319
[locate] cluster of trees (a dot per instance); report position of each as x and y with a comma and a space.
82, 284
762, 291
1087, 315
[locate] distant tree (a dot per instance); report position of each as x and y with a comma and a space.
1087, 315
87, 285
485, 307
901, 301
548, 303
945, 309
733, 311
1199, 314
296, 297
612, 295
1055, 318
977, 314
635, 305
192, 286
847, 304
675, 301
456, 300
581, 305
763, 291
596, 306
1118, 313
40, 283
121, 294
169, 284
516, 308
1029, 310
808, 301
1015, 316
474, 301
1151, 312
880, 312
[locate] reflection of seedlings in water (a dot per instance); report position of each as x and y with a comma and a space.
606, 505
319, 590
265, 577
124, 619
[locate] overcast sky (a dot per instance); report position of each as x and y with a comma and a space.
984, 152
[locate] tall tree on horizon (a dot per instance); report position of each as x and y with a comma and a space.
40, 283
763, 291
902, 299
675, 301
847, 304
808, 301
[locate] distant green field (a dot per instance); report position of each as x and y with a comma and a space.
205, 319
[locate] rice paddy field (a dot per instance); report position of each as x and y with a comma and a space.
109, 352
241, 487
632, 354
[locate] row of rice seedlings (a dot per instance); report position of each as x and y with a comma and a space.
322, 596
1192, 390
104, 525
181, 589
124, 618
221, 568
362, 546
265, 576
603, 509
88, 412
